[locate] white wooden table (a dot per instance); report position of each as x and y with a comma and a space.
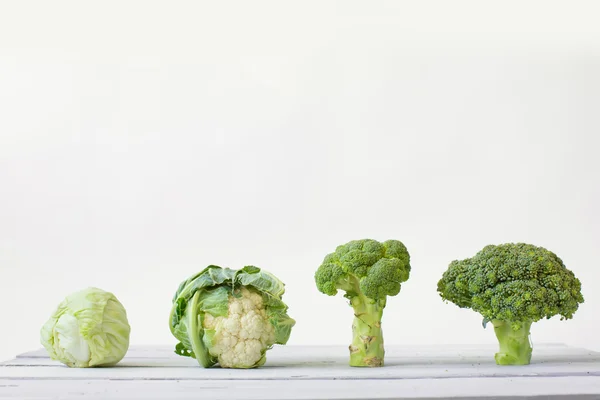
297, 372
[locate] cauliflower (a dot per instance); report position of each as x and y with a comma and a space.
242, 337
230, 317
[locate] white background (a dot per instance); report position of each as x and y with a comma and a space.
142, 141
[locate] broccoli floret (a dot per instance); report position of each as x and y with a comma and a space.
512, 285
368, 271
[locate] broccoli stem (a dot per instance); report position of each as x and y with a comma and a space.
367, 349
515, 348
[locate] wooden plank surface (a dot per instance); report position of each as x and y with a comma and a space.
564, 388
320, 362
316, 372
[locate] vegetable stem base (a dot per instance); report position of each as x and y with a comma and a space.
367, 348
515, 347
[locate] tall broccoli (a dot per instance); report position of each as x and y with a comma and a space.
368, 271
512, 285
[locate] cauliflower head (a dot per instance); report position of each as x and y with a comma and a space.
241, 338
230, 317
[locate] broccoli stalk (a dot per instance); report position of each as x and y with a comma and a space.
368, 271
512, 285
515, 347
367, 349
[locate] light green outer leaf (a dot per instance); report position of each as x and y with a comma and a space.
277, 312
214, 301
264, 281
194, 326
208, 337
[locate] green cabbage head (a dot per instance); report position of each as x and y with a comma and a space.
88, 329
230, 317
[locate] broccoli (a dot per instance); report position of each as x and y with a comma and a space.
512, 285
368, 271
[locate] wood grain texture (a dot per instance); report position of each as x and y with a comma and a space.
462, 388
312, 372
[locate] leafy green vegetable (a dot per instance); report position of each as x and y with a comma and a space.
230, 317
89, 328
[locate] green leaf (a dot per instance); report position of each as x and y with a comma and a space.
263, 281
277, 312
250, 269
181, 350
208, 337
215, 301
195, 332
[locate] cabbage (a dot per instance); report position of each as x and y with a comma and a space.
89, 328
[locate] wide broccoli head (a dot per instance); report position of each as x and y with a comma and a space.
512, 285
365, 266
513, 282
368, 271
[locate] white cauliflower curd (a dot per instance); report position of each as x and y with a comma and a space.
241, 338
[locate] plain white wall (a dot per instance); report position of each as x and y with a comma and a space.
140, 142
